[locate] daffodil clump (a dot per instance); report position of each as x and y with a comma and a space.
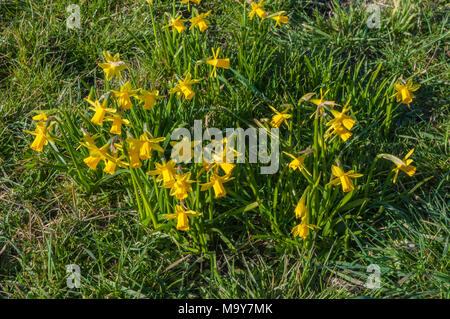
122, 133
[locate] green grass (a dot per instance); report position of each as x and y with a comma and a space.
47, 221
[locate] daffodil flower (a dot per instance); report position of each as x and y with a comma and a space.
297, 162
218, 160
300, 209
134, 147
216, 182
184, 87
218, 63
117, 122
279, 17
42, 115
341, 124
257, 9
404, 92
176, 24
200, 21
113, 66
149, 98
302, 229
402, 165
279, 118
182, 217
165, 172
147, 144
181, 186
99, 109
178, 149
42, 136
343, 179
124, 96
88, 140
111, 164
95, 155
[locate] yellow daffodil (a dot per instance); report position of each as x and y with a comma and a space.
200, 21
113, 66
300, 209
216, 182
117, 122
124, 96
280, 17
165, 172
150, 2
184, 87
149, 98
178, 149
189, 1
111, 164
182, 217
218, 63
42, 115
42, 136
404, 92
176, 24
343, 179
297, 162
181, 186
257, 9
147, 144
95, 155
88, 140
134, 147
218, 160
402, 165
99, 109
302, 229
279, 118
341, 124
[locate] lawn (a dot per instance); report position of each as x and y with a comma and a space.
59, 209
